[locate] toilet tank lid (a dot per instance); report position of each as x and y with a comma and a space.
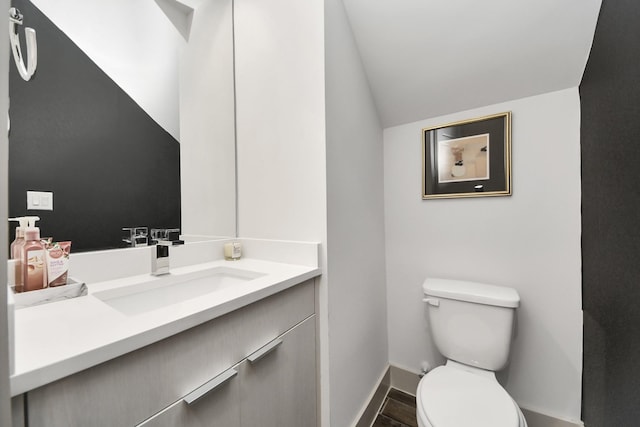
480, 293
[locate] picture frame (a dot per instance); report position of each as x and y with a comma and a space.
467, 158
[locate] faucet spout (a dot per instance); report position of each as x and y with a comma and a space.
160, 258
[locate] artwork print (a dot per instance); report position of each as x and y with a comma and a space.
468, 158
463, 159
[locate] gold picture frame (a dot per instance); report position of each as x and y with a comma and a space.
468, 158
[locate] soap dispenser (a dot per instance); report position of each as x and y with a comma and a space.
16, 247
23, 223
34, 274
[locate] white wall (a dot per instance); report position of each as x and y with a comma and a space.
296, 183
355, 207
280, 119
279, 48
133, 42
207, 127
530, 241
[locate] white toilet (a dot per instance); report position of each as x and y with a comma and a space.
472, 326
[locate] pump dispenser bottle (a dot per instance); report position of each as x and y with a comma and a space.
22, 224
15, 251
17, 244
33, 262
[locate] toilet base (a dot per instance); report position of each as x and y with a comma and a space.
423, 419
424, 422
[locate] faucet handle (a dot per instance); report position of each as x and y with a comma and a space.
135, 236
171, 235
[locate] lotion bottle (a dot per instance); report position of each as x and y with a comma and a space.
15, 251
17, 245
34, 274
19, 240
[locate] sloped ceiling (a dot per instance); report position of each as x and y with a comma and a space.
425, 58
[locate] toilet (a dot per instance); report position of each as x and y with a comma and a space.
472, 326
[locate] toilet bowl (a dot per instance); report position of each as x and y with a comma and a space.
472, 326
454, 396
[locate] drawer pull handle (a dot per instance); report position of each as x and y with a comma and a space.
210, 386
259, 354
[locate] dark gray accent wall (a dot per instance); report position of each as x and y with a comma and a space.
610, 138
77, 133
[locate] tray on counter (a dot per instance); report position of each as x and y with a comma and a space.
73, 289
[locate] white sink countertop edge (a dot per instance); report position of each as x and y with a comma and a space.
58, 339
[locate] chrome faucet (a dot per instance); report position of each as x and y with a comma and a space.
160, 258
162, 239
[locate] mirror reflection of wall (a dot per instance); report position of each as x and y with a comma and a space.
128, 120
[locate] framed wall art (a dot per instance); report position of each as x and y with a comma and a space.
469, 158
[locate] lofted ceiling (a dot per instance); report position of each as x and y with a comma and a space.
426, 58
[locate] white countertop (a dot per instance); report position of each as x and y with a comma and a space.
58, 339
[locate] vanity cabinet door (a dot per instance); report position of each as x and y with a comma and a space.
217, 408
17, 411
279, 389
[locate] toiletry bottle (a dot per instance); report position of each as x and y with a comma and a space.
34, 275
22, 222
25, 222
16, 250
16, 247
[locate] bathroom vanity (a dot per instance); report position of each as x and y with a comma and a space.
244, 355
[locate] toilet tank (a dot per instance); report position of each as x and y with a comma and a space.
471, 323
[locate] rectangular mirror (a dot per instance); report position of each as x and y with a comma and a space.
128, 120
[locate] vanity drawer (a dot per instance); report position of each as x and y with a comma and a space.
273, 387
219, 408
129, 389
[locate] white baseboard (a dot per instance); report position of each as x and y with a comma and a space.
538, 419
407, 382
404, 380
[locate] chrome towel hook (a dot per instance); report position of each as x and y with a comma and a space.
26, 71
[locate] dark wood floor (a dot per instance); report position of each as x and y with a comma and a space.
398, 410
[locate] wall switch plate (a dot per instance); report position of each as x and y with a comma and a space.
40, 200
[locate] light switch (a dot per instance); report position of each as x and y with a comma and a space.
40, 200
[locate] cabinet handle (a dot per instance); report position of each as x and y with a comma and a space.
210, 386
259, 354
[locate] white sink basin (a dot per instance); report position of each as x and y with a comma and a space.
154, 293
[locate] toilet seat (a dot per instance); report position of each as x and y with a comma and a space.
452, 397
